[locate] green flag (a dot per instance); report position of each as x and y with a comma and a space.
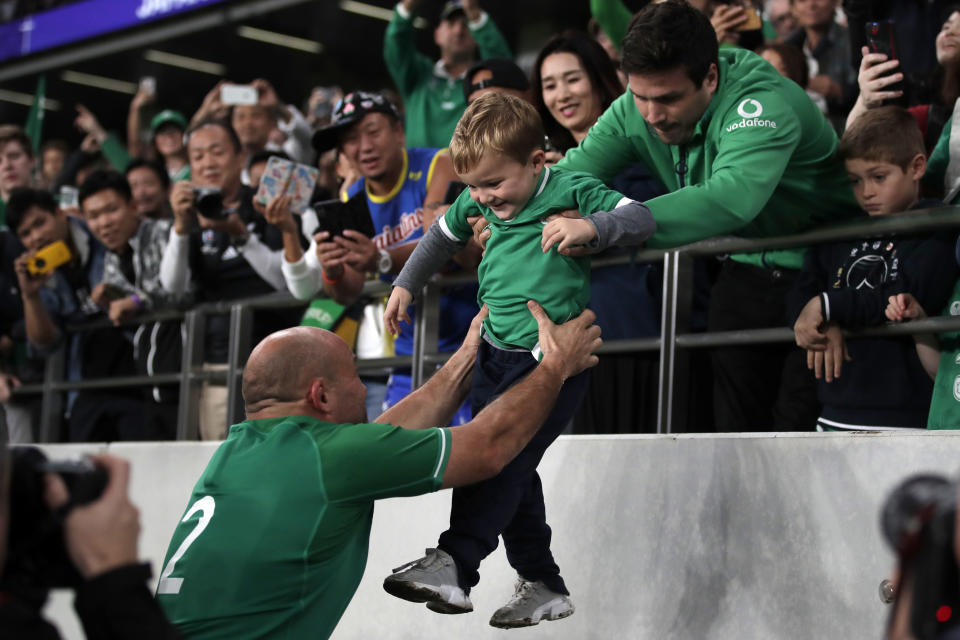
34, 125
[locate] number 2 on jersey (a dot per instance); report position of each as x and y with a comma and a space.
171, 586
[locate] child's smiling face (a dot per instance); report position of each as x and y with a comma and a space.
502, 184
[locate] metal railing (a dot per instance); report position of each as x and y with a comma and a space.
673, 345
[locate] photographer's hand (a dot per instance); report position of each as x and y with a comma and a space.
100, 536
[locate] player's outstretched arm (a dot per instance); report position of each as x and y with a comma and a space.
434, 404
483, 446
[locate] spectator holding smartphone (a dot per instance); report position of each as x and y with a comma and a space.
878, 75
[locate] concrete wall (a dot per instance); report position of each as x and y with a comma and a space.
689, 537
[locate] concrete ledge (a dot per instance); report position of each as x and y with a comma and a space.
688, 536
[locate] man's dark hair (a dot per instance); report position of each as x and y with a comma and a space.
152, 165
215, 122
22, 199
102, 181
668, 35
264, 156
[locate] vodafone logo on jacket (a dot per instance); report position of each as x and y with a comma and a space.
750, 110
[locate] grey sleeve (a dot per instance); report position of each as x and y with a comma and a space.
629, 224
432, 252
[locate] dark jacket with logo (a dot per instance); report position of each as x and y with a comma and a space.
884, 384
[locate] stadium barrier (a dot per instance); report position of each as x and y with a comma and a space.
674, 344
659, 537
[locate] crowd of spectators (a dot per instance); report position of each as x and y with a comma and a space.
170, 216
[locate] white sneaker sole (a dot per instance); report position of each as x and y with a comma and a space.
555, 609
443, 598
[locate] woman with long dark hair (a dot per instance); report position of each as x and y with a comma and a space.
573, 82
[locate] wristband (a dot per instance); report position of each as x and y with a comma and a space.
136, 300
323, 274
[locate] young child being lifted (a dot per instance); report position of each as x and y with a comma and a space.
529, 259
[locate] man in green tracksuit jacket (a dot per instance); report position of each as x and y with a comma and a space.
433, 92
742, 151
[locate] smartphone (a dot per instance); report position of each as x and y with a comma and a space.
882, 38
69, 197
753, 22
49, 258
238, 94
148, 84
335, 216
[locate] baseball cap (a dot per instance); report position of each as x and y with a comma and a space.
349, 111
168, 116
450, 9
505, 74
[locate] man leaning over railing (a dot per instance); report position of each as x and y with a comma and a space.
743, 151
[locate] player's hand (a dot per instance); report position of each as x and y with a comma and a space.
570, 345
828, 364
396, 310
566, 233
362, 254
872, 79
122, 309
903, 307
102, 535
807, 327
30, 284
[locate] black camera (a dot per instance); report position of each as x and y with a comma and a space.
208, 201
918, 521
37, 557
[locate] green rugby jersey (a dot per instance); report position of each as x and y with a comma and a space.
515, 269
274, 539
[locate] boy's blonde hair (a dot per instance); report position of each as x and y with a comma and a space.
885, 134
495, 123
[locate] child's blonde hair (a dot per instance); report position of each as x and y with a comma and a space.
495, 122
885, 134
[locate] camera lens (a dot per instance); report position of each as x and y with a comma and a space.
40, 263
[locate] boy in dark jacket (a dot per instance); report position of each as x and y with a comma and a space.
847, 286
